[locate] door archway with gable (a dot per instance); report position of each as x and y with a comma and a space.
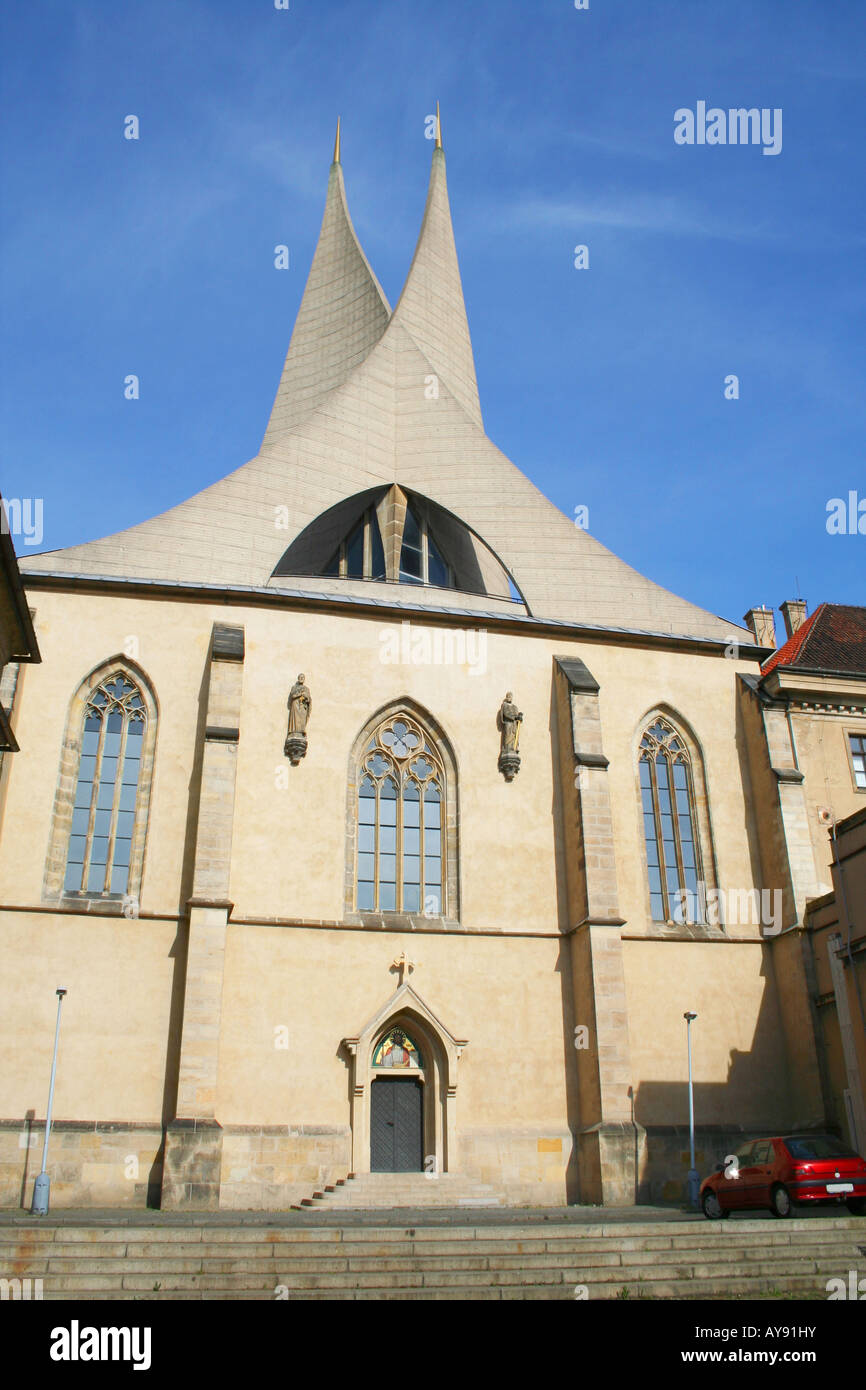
404, 1090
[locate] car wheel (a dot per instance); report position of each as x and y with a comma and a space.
713, 1210
780, 1201
857, 1206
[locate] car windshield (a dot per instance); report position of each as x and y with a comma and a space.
817, 1146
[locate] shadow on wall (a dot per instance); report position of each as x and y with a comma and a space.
29, 1117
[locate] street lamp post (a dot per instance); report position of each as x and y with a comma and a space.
42, 1185
694, 1177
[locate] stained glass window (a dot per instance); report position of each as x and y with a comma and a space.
400, 852
668, 807
397, 1050
106, 794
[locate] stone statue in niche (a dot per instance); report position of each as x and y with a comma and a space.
300, 703
509, 721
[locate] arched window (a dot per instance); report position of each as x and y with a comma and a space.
670, 824
101, 808
103, 816
395, 535
401, 854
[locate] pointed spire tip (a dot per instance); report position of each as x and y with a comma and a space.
337, 143
438, 128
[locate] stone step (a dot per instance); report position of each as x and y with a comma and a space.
686, 1282
455, 1292
373, 1191
474, 1255
678, 1260
654, 1235
145, 1242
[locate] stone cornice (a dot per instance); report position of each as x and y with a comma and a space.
241, 595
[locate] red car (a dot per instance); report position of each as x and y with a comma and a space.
798, 1170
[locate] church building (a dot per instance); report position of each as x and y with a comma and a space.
378, 820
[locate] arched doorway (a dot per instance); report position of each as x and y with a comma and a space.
397, 1105
416, 1077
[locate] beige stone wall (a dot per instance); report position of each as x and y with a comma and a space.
667, 1158
90, 1164
822, 749
115, 1039
738, 1048
533, 1165
277, 1166
291, 996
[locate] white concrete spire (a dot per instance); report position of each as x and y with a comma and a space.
343, 314
431, 307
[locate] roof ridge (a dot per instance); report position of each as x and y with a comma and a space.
795, 643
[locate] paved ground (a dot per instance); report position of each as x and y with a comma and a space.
402, 1216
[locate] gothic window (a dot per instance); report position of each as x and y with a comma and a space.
400, 856
858, 759
397, 1050
105, 799
670, 824
99, 826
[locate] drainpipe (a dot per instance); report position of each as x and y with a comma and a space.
792, 736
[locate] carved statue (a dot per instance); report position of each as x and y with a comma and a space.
300, 704
510, 719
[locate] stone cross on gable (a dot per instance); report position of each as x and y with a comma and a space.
403, 964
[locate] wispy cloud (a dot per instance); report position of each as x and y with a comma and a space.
646, 212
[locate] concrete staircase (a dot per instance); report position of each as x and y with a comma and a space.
385, 1191
461, 1260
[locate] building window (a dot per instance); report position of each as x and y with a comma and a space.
361, 555
102, 803
420, 559
401, 818
103, 816
670, 825
858, 759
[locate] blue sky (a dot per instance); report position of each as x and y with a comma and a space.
605, 386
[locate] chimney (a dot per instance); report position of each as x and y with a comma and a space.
794, 614
760, 623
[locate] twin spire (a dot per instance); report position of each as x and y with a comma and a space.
344, 313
